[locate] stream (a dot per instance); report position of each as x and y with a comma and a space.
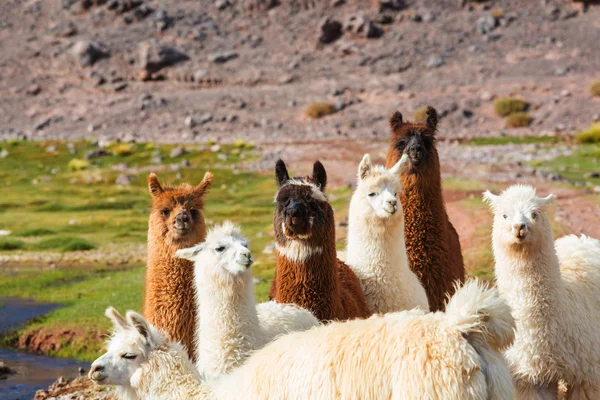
33, 372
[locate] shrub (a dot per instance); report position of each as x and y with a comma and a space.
420, 114
497, 13
33, 232
211, 141
595, 89
250, 146
591, 135
149, 146
518, 120
123, 149
63, 244
509, 105
240, 143
10, 244
318, 110
78, 164
78, 245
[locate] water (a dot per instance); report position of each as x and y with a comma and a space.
33, 372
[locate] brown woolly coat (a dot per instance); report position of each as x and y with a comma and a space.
169, 298
321, 283
432, 243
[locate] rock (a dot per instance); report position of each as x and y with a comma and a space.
400, 87
339, 104
97, 78
561, 71
222, 4
33, 90
589, 175
86, 53
185, 163
222, 57
4, 153
5, 370
64, 29
215, 148
429, 17
391, 4
467, 113
486, 24
596, 117
487, 96
222, 157
565, 93
152, 56
41, 124
415, 17
161, 20
362, 26
200, 75
124, 180
329, 30
177, 152
157, 160
435, 62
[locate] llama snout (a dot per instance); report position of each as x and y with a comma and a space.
245, 259
97, 373
182, 221
520, 230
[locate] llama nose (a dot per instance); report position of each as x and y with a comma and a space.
520, 230
96, 368
392, 202
415, 152
181, 220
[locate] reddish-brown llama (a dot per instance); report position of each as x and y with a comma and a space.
308, 272
432, 243
176, 222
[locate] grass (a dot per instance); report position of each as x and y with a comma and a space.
319, 110
420, 114
505, 106
33, 232
11, 244
574, 167
503, 140
518, 120
595, 89
78, 164
591, 135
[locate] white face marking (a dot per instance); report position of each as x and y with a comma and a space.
297, 251
316, 192
382, 199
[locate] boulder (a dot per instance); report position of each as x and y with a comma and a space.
329, 30
152, 56
86, 53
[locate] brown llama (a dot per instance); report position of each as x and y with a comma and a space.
308, 272
176, 222
432, 243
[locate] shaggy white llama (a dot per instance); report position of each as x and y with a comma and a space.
143, 364
404, 355
553, 289
376, 250
230, 324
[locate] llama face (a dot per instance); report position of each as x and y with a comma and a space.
224, 253
417, 141
519, 215
378, 188
301, 205
133, 338
177, 213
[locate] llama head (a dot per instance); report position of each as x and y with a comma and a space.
177, 218
377, 189
223, 255
132, 340
519, 215
417, 141
302, 213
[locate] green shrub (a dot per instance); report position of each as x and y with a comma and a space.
595, 89
420, 115
33, 232
123, 149
211, 141
78, 164
318, 110
497, 13
505, 106
78, 245
239, 143
591, 135
518, 120
11, 244
65, 243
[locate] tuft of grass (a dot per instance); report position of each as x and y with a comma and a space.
211, 141
595, 89
501, 140
250, 145
78, 245
33, 232
420, 114
518, 120
63, 243
505, 106
319, 110
78, 164
591, 135
239, 143
11, 244
123, 149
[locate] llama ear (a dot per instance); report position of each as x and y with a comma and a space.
396, 120
432, 118
154, 185
117, 319
364, 168
546, 200
490, 198
281, 173
190, 253
205, 184
319, 175
398, 166
139, 323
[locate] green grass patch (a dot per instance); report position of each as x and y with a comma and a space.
63, 244
591, 135
577, 166
505, 106
503, 140
518, 120
11, 244
33, 232
77, 164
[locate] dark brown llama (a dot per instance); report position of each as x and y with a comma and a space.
176, 222
308, 272
432, 243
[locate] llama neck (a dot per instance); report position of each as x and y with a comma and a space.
227, 322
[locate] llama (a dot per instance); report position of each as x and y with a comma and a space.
176, 222
403, 355
432, 243
375, 250
230, 325
308, 272
553, 290
136, 352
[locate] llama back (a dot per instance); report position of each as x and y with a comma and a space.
579, 259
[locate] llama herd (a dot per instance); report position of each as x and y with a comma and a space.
397, 320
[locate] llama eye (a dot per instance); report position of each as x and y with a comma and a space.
220, 249
165, 212
372, 194
194, 213
504, 216
129, 356
534, 215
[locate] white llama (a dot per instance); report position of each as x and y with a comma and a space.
376, 250
553, 289
230, 324
404, 355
